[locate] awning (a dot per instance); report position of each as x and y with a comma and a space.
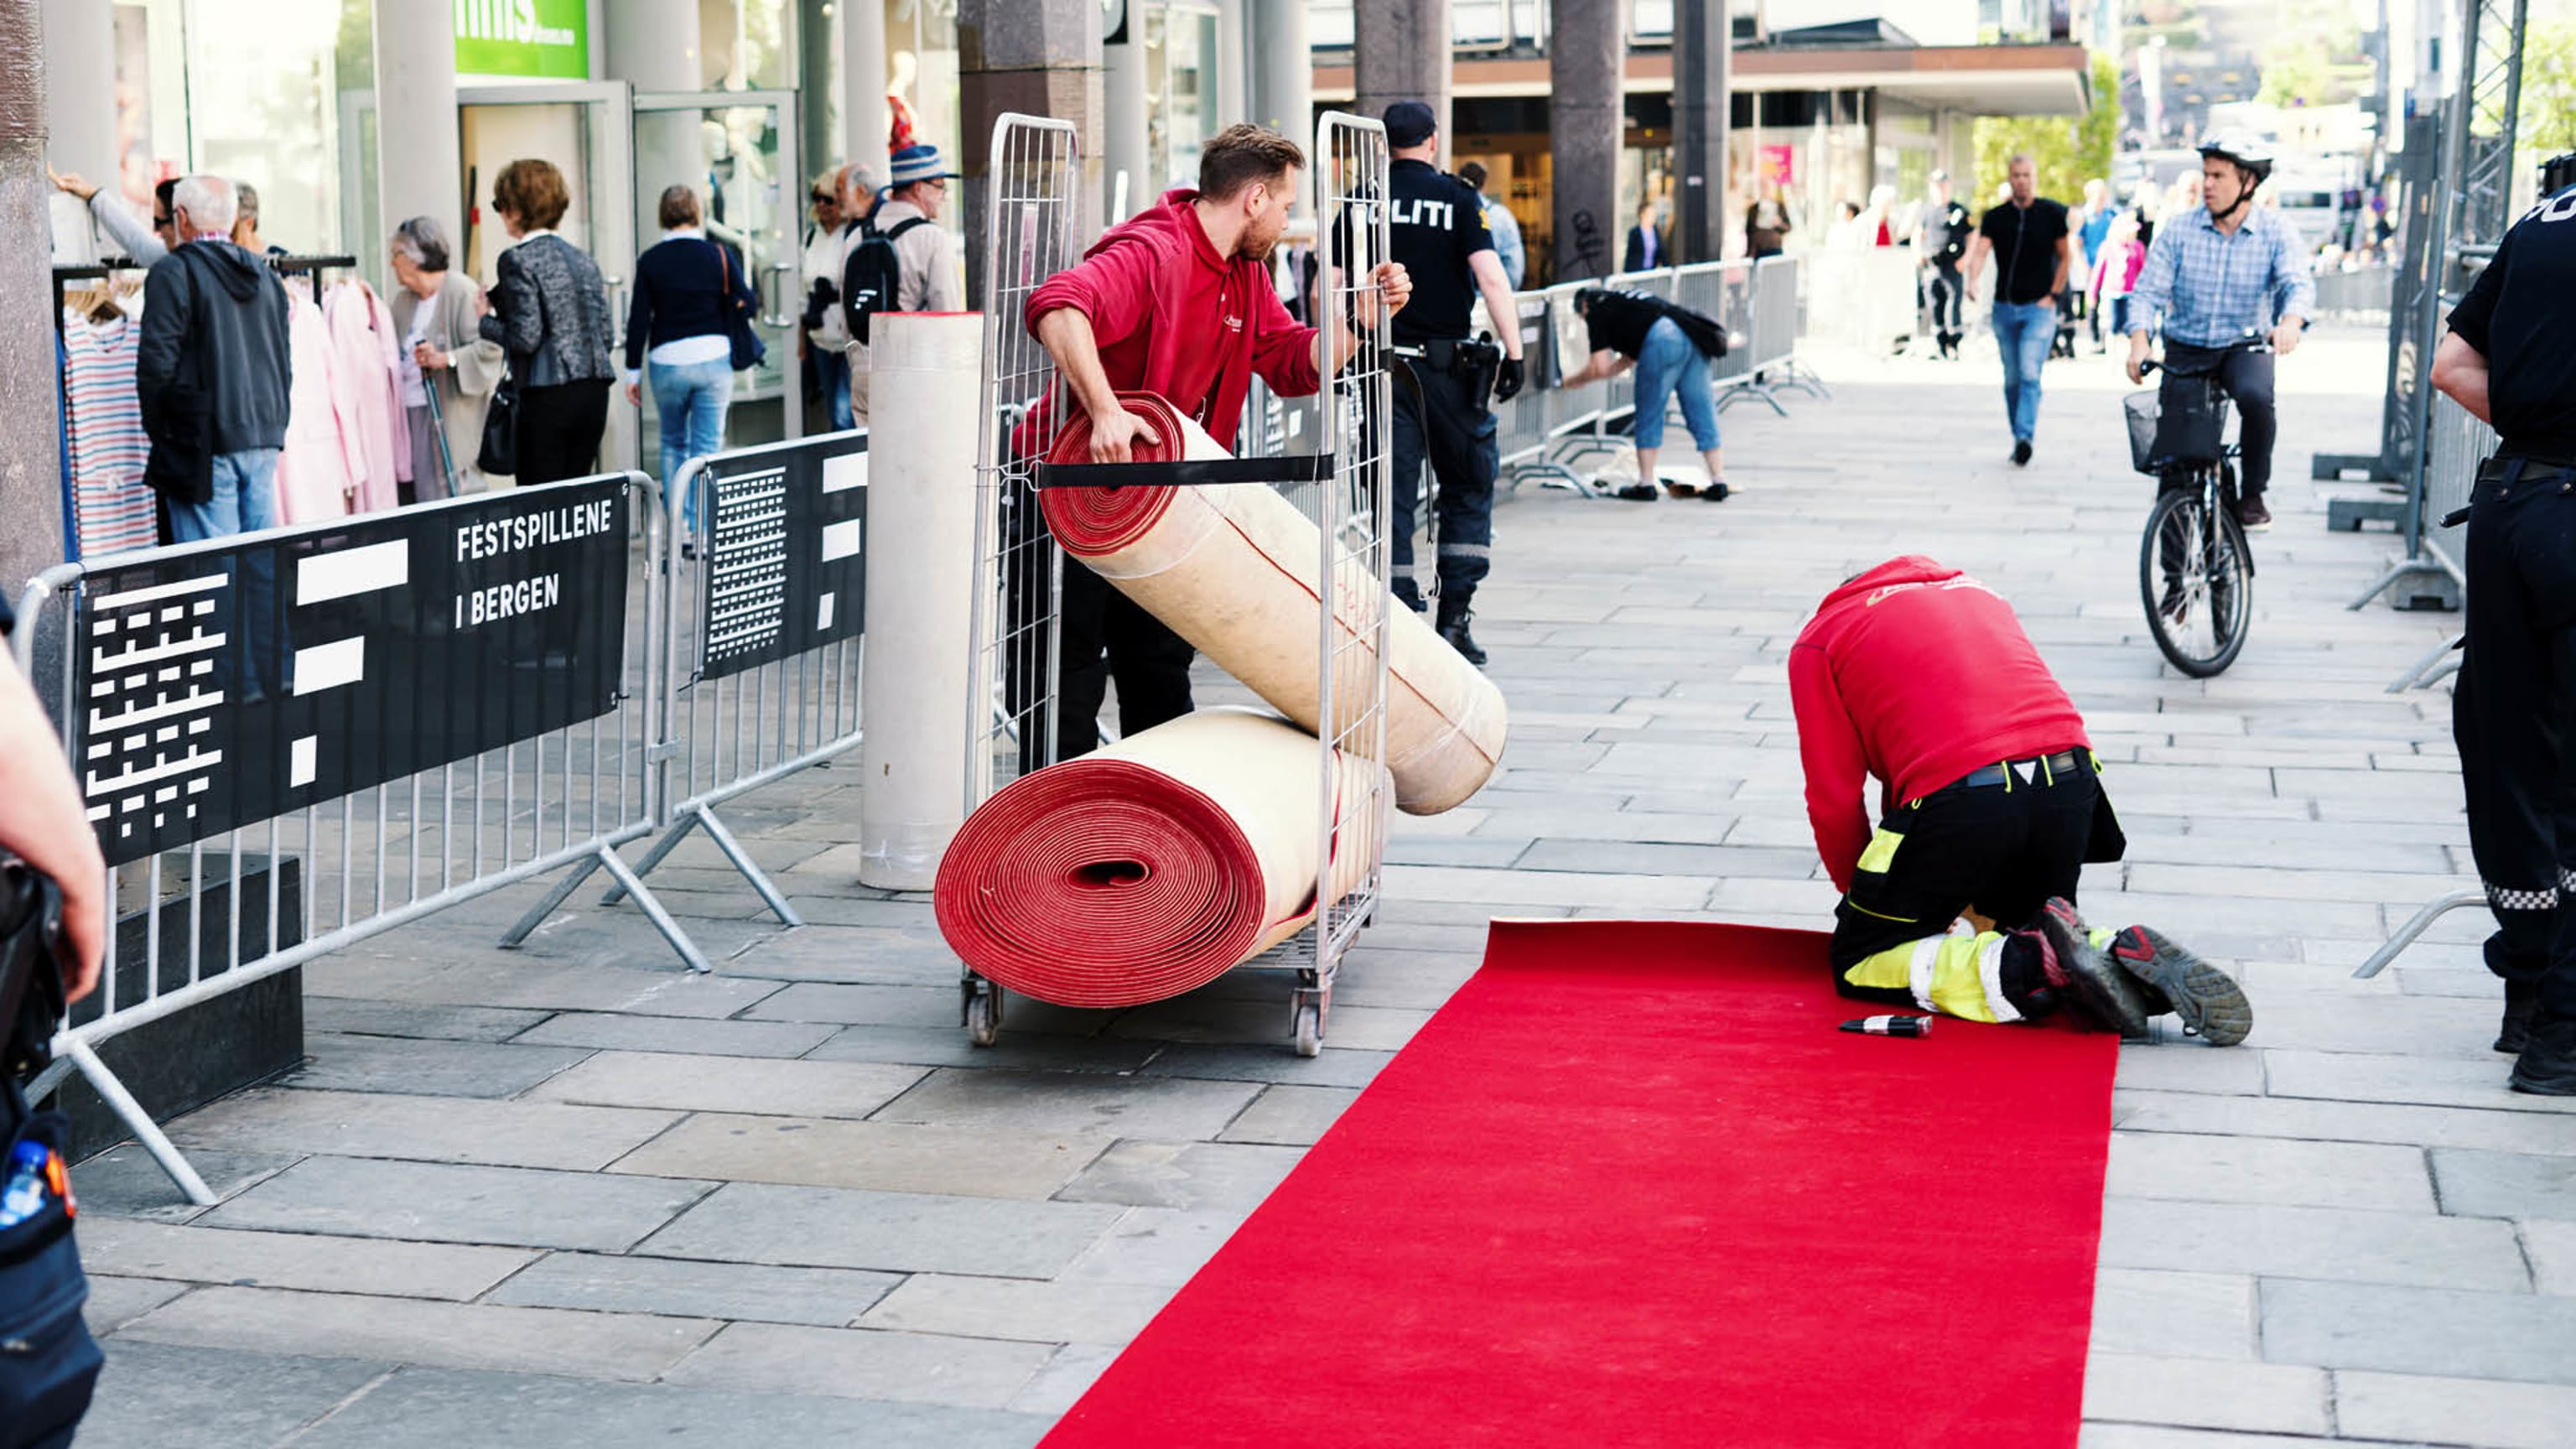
1989, 80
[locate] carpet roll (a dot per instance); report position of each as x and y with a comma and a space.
1154, 866
1231, 568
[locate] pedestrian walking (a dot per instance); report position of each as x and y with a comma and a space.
448, 370
900, 259
2027, 235
688, 291
1500, 221
548, 309
824, 366
2507, 361
2115, 271
1946, 229
1436, 232
1766, 226
1646, 248
1670, 346
212, 372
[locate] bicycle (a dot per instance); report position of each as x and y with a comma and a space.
2195, 572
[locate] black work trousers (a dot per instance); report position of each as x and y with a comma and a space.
2246, 377
1457, 435
1105, 635
559, 430
2510, 716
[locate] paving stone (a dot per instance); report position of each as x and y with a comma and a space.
732, 1084
1163, 1246
2164, 1313
173, 1397
431, 1068
1202, 1176
925, 1006
2454, 1411
1072, 1105
891, 1156
2505, 1184
610, 1283
1083, 1311
2356, 1077
1293, 1116
1066, 1377
669, 1034
439, 1408
1560, 888
349, 1017
2192, 1067
114, 1300
2311, 1242
855, 955
2442, 1331
1255, 1010
2269, 1170
864, 1363
435, 1129
1332, 1067
530, 982
2321, 1121
2199, 1392
634, 1347
125, 1182
450, 1203
947, 1046
2551, 1246
293, 1260
893, 1231
2149, 1436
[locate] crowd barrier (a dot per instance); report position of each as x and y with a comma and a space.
2361, 295
761, 654
293, 740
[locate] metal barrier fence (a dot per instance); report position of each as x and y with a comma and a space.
760, 659
291, 741
2361, 295
1865, 299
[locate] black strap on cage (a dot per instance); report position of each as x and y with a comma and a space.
1288, 468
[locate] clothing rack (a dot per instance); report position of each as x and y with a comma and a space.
313, 267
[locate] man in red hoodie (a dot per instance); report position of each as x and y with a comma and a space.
1990, 805
1177, 300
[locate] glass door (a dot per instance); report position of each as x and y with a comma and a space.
738, 149
586, 129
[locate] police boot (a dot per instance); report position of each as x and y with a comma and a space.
1454, 617
2547, 1066
2172, 978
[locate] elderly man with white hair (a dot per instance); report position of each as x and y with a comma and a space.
212, 371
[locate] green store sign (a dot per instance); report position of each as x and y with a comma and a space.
539, 39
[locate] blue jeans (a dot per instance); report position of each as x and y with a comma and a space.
2025, 331
244, 500
832, 372
691, 399
1671, 364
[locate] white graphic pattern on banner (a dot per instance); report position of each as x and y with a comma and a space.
154, 684
750, 563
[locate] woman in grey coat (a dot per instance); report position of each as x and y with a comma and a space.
448, 370
549, 311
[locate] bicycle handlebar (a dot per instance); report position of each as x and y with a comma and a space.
2252, 343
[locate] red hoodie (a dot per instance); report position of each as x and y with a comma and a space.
1173, 317
1916, 674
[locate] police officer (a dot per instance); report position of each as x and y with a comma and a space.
2507, 359
1437, 232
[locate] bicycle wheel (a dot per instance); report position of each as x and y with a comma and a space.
2195, 580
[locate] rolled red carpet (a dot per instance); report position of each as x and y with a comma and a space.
1232, 568
1630, 1186
1154, 866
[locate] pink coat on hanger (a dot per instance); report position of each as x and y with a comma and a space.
365, 356
317, 472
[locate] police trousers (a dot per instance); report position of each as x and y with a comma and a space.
2510, 714
1105, 635
1456, 433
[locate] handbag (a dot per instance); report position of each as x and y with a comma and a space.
48, 1362
748, 350
499, 455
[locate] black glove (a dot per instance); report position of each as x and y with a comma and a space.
1513, 377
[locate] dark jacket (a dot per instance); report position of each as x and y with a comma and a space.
685, 286
550, 313
1634, 259
211, 369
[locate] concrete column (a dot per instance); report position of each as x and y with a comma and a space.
656, 45
1403, 55
1701, 52
1233, 72
1282, 66
864, 117
419, 169
31, 488
818, 81
1122, 101
1041, 58
1586, 121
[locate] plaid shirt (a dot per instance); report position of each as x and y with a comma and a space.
2207, 288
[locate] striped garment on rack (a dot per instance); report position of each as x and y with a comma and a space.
105, 432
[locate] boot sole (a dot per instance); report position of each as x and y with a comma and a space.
2560, 1084
2106, 994
2212, 1006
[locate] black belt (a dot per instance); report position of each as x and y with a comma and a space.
2042, 766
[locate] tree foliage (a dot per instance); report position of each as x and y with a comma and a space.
2069, 150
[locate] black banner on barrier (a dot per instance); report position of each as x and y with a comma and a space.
222, 685
786, 568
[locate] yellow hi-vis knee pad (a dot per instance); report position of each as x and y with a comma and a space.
1959, 976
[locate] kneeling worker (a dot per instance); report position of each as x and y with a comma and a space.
1922, 676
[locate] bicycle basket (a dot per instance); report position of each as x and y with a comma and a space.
2141, 408
2182, 424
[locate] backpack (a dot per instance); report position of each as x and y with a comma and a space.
872, 275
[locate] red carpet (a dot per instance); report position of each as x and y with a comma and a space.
1631, 1187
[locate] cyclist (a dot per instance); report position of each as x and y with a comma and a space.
2215, 275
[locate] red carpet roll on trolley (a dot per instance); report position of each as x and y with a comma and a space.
1232, 569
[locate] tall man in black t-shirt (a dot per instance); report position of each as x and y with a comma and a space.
2507, 360
2028, 239
1436, 229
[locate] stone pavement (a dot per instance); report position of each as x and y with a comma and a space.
570, 1195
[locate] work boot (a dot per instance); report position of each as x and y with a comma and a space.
2096, 991
2521, 1009
2171, 978
2547, 1066
1454, 618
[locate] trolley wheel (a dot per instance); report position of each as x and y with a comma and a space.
984, 1016
1310, 1028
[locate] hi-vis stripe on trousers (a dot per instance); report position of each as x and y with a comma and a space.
1955, 975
